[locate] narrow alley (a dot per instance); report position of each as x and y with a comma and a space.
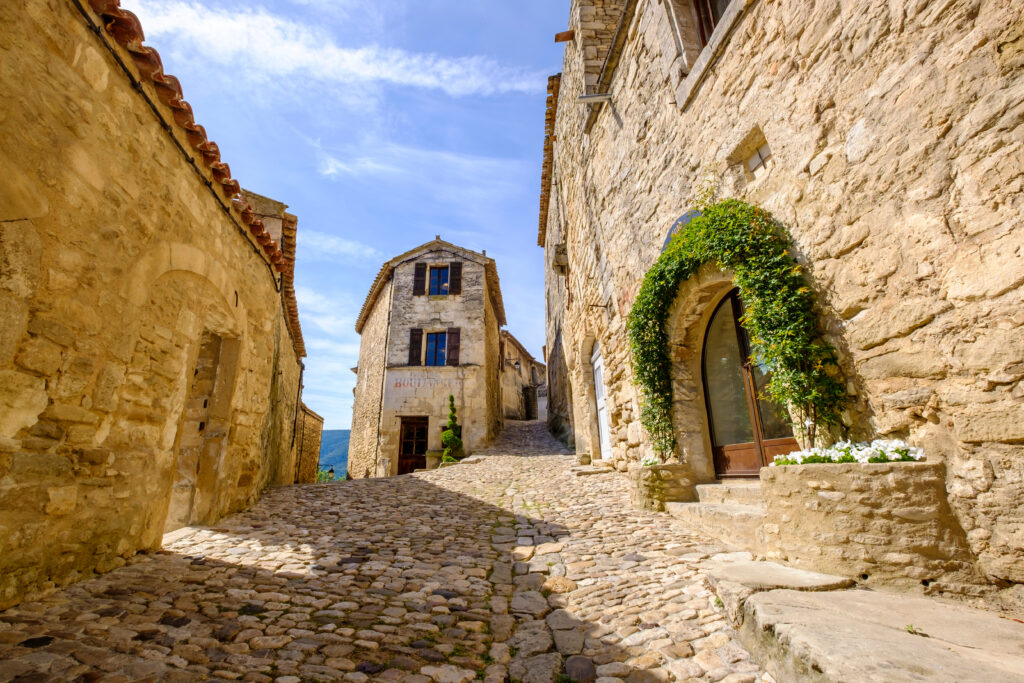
513, 566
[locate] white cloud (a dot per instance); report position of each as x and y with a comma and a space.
470, 185
318, 246
262, 46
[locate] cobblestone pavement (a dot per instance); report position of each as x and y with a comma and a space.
512, 567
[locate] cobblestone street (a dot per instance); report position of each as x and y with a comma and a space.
512, 567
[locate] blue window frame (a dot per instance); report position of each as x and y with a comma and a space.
436, 342
439, 280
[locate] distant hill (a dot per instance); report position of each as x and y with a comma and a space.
334, 450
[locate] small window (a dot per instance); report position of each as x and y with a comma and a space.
760, 162
709, 13
436, 342
439, 281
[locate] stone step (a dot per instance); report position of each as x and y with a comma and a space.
740, 492
735, 525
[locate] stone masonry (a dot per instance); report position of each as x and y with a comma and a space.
512, 568
894, 137
390, 387
150, 351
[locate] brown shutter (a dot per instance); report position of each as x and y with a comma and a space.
419, 280
455, 277
415, 346
453, 342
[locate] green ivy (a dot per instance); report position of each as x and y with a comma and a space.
778, 316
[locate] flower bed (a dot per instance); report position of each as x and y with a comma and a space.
879, 450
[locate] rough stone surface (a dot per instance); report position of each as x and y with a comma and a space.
148, 377
654, 485
356, 580
866, 635
898, 172
881, 523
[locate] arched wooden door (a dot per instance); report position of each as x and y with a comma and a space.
747, 432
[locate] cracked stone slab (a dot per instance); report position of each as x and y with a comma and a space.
859, 635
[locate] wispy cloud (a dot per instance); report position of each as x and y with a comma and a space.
470, 185
335, 316
318, 246
264, 46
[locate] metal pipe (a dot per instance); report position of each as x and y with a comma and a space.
595, 99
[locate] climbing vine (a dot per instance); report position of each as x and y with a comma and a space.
778, 316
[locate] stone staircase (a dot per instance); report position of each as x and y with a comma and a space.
730, 510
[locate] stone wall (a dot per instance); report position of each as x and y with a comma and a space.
519, 387
363, 446
886, 523
125, 274
896, 134
307, 441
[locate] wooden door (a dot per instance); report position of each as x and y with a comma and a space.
412, 453
747, 431
603, 431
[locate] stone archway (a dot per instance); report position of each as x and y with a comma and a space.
184, 326
688, 317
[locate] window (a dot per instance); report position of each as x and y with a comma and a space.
439, 281
444, 279
436, 342
709, 13
760, 162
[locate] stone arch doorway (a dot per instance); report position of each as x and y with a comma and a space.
746, 430
202, 437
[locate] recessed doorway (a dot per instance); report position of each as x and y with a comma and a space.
603, 430
747, 431
412, 453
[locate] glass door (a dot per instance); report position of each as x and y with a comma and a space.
747, 432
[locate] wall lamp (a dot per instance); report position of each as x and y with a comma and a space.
595, 99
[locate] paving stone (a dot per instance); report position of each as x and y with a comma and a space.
358, 579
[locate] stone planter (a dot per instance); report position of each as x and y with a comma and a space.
433, 459
886, 523
651, 487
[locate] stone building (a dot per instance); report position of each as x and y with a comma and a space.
308, 432
150, 351
430, 327
888, 138
522, 377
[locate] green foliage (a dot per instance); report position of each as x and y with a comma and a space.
779, 317
450, 437
323, 476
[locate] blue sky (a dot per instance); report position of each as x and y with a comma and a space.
381, 123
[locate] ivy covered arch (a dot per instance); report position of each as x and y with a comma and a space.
778, 315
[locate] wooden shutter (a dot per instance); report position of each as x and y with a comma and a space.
453, 342
455, 277
415, 346
419, 280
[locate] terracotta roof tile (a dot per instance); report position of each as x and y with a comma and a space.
554, 82
124, 27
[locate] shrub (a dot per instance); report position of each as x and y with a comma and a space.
779, 317
451, 436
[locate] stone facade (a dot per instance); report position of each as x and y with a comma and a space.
519, 385
150, 354
893, 139
394, 382
307, 443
